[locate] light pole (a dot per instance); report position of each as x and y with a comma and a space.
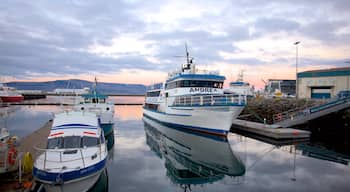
296, 69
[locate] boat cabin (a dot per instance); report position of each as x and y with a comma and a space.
94, 98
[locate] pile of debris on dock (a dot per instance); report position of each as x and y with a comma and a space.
258, 109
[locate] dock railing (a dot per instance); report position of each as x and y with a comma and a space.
302, 112
210, 100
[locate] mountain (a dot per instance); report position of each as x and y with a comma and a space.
106, 88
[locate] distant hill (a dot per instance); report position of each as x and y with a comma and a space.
106, 88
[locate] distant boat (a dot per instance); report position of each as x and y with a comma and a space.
193, 99
97, 103
240, 87
76, 153
191, 158
9, 94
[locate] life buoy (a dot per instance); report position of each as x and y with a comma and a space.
279, 117
11, 156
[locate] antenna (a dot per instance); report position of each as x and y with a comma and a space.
187, 54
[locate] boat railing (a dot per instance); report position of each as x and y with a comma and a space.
56, 156
210, 100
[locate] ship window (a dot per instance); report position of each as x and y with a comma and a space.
194, 83
153, 94
55, 143
71, 142
89, 141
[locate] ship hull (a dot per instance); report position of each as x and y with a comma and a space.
11, 99
83, 184
208, 120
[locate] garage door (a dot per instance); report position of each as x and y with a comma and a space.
321, 93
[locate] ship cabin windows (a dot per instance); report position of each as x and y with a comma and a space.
94, 100
151, 106
70, 142
194, 83
153, 93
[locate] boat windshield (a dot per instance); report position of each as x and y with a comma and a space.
55, 143
89, 141
72, 142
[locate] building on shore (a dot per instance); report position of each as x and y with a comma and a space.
85, 90
324, 83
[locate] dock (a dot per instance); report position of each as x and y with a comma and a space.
271, 131
36, 139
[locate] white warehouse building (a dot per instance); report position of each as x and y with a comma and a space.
323, 84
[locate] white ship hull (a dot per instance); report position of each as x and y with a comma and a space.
82, 184
213, 120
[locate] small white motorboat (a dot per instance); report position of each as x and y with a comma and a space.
75, 155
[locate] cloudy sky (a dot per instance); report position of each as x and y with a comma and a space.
134, 41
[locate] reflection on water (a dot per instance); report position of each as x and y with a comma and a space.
128, 113
192, 159
25, 119
156, 158
101, 184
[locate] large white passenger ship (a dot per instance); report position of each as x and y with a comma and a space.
193, 99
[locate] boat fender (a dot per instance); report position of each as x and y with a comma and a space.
11, 156
279, 117
27, 163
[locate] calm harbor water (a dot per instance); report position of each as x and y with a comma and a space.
150, 157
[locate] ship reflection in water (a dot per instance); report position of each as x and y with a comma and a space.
191, 158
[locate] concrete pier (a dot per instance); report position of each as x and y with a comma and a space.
271, 131
36, 139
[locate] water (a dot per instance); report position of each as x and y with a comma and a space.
151, 157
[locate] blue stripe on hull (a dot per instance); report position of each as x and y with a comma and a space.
180, 126
60, 178
221, 138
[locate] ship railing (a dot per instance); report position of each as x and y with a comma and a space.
44, 156
210, 100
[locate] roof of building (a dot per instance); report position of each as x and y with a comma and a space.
341, 71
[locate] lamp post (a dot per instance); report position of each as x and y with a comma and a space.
296, 69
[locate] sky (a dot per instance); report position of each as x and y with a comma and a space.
134, 41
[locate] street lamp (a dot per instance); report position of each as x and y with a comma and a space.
296, 69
